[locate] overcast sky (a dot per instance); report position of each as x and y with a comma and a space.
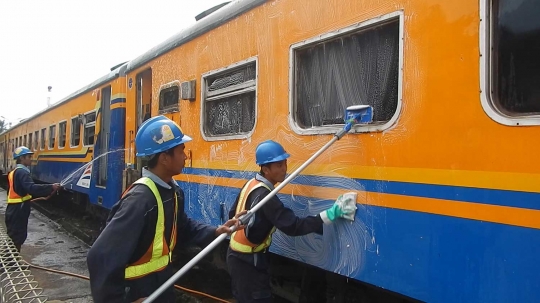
67, 44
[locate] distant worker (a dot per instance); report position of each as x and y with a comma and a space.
21, 190
130, 259
247, 255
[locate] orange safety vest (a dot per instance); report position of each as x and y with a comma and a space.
239, 242
14, 197
158, 255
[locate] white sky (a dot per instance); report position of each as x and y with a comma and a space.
67, 44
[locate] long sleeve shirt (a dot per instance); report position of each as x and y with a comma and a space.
24, 185
274, 213
127, 236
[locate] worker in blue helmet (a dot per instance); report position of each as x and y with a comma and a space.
21, 190
247, 255
130, 259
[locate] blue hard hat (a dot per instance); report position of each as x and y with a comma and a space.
158, 134
21, 151
270, 151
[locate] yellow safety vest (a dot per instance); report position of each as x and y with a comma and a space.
13, 197
158, 254
239, 242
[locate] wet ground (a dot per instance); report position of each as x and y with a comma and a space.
49, 245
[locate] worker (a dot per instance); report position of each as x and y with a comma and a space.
130, 258
21, 190
247, 255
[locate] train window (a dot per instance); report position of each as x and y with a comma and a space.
24, 140
75, 131
510, 43
36, 140
229, 101
52, 135
43, 132
30, 142
20, 141
89, 128
169, 95
514, 60
17, 142
62, 130
355, 65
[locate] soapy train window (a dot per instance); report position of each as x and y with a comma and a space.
169, 98
229, 101
360, 67
515, 58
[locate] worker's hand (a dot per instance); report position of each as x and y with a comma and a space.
344, 207
139, 300
56, 186
226, 228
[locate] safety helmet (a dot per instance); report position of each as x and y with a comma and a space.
21, 151
270, 151
158, 134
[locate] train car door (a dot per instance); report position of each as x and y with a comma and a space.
103, 144
144, 105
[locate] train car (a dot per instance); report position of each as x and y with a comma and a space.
446, 175
79, 141
447, 181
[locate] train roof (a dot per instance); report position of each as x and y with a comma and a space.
215, 18
204, 25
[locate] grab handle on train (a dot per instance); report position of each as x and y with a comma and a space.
357, 114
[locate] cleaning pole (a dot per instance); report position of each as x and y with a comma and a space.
357, 114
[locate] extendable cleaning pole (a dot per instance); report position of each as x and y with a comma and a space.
357, 114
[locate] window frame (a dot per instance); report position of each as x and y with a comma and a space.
55, 133
71, 131
204, 86
60, 122
36, 140
170, 109
30, 141
85, 125
335, 34
486, 77
43, 137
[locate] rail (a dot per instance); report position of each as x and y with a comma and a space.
17, 284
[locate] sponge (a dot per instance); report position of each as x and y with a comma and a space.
347, 203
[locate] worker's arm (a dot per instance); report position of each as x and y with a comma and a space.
23, 184
110, 254
285, 219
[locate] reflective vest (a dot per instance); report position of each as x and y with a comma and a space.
239, 242
158, 255
13, 197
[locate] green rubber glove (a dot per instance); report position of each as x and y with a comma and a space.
345, 207
334, 212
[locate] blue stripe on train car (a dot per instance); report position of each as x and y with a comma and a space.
429, 257
456, 193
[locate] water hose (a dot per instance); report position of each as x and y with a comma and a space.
87, 278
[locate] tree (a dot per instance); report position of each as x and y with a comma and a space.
4, 125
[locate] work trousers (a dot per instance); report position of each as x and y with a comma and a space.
250, 277
17, 215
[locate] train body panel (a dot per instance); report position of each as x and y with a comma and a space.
447, 179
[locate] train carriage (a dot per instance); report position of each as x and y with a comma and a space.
447, 182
